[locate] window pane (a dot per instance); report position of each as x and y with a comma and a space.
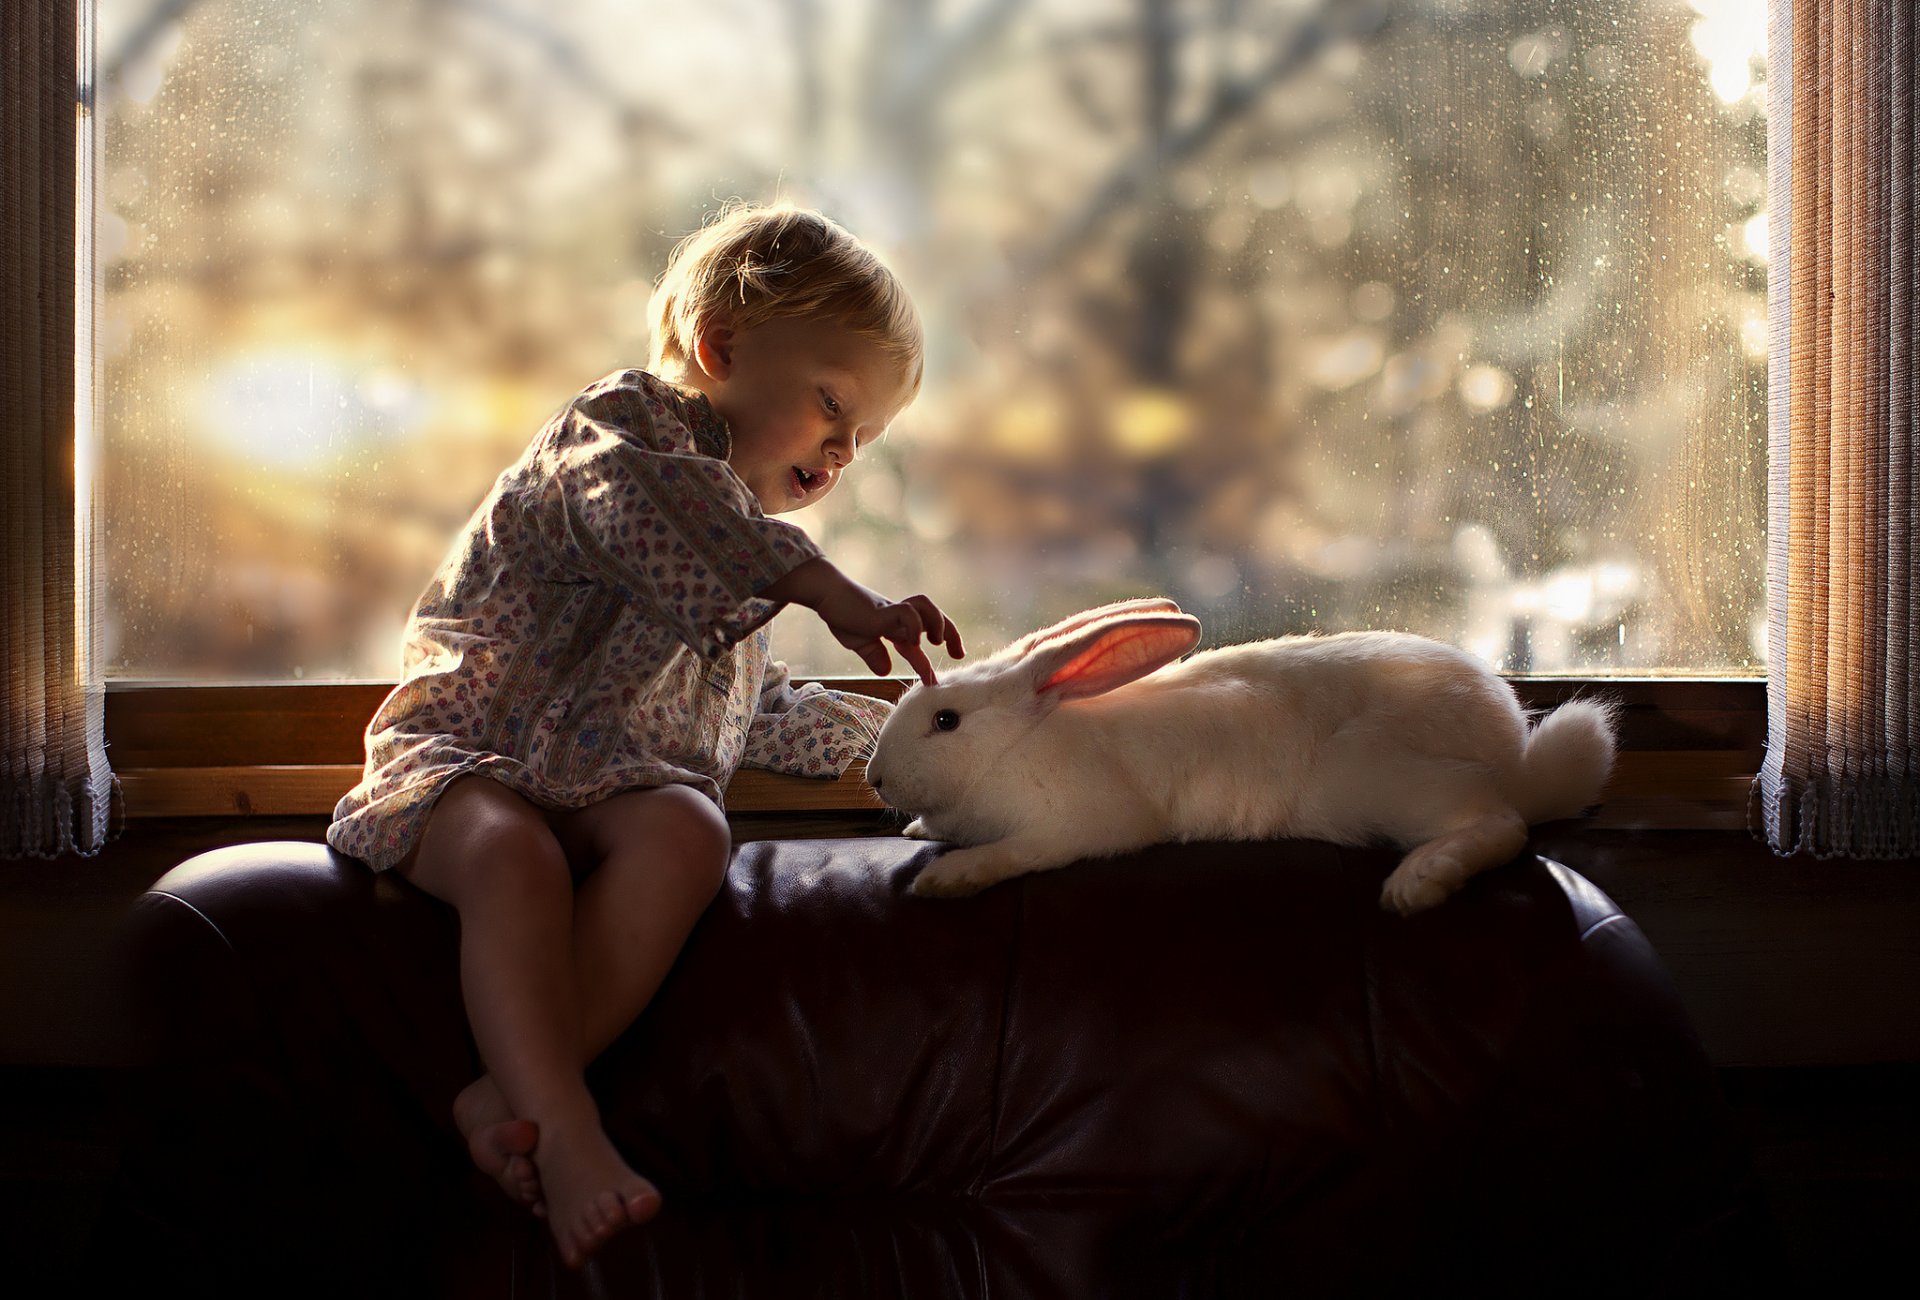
1443, 315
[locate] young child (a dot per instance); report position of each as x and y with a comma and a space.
590, 665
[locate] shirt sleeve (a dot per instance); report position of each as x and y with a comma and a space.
627, 498
811, 731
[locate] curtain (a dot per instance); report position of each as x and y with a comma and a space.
1840, 774
59, 791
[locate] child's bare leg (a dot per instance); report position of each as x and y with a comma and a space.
661, 855
495, 858
656, 859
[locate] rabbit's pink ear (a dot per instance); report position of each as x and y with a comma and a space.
1112, 653
1086, 618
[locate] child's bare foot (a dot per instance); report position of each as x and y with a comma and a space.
591, 1193
501, 1146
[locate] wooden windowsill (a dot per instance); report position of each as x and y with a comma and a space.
1690, 748
299, 788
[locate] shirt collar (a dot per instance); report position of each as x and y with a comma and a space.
711, 436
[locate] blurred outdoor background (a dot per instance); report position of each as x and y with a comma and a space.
1441, 315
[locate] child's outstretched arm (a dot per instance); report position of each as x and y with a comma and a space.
864, 621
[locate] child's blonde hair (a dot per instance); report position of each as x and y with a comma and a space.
753, 264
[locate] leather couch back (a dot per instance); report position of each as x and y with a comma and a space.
1200, 1069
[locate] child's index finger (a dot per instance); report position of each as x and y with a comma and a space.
913, 654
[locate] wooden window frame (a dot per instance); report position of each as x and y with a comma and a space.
1691, 746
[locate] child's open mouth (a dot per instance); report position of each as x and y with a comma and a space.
807, 480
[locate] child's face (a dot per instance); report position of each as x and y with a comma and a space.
799, 397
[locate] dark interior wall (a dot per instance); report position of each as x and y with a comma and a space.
1781, 961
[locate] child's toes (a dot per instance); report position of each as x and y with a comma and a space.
610, 1215
1409, 895
642, 1205
524, 1181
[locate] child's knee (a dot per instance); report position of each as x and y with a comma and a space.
482, 836
698, 834
686, 834
673, 829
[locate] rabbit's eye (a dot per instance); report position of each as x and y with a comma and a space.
946, 720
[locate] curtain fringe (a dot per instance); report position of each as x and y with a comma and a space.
1875, 818
56, 816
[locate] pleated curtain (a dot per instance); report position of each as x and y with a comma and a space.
1842, 768
58, 792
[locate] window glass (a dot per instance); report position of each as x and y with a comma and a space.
1442, 315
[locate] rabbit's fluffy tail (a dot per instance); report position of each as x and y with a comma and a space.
1568, 759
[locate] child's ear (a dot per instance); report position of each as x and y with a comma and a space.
713, 350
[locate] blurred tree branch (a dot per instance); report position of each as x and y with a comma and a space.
566, 57
935, 61
562, 53
1135, 175
140, 38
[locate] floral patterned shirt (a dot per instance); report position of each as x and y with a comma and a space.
596, 628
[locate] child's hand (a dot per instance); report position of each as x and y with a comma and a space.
864, 621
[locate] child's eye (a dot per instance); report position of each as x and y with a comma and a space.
833, 407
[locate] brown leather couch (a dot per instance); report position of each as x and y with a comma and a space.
1202, 1070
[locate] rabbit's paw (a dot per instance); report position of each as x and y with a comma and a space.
961, 872
1420, 881
917, 830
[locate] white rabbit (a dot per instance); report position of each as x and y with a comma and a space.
1079, 742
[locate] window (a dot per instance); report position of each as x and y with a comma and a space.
1446, 316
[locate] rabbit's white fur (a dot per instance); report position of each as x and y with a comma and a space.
1356, 738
